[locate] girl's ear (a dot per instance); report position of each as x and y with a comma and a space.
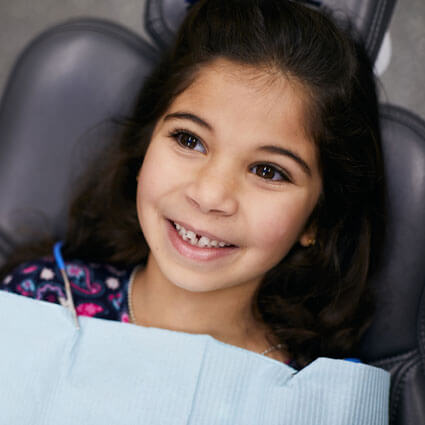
308, 238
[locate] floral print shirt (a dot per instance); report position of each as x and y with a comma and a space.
98, 290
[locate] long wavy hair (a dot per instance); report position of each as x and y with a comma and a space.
316, 301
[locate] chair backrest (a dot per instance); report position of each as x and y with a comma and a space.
396, 339
77, 75
63, 91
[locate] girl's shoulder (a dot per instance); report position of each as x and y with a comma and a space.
98, 290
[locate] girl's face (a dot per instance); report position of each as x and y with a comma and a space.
230, 161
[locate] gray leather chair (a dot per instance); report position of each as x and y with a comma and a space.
55, 114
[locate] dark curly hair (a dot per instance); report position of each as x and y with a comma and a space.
316, 301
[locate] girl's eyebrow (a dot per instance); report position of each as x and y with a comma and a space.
289, 153
191, 117
267, 148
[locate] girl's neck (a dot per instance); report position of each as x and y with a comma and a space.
224, 314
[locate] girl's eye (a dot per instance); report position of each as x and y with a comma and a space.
270, 172
188, 141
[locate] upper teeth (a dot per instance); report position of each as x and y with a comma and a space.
202, 242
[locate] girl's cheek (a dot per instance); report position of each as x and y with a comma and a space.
273, 234
278, 226
153, 174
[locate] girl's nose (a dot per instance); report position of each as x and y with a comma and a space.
213, 190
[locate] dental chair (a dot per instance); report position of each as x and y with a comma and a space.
55, 114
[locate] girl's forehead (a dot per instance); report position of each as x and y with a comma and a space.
258, 79
257, 98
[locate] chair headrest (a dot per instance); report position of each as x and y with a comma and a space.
55, 115
370, 17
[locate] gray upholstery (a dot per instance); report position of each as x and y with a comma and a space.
396, 339
64, 87
77, 76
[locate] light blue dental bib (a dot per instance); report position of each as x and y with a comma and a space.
116, 373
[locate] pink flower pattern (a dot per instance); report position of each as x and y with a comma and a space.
88, 309
98, 290
29, 269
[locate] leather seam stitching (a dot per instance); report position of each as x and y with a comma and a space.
404, 117
391, 361
397, 390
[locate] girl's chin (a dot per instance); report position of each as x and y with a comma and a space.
195, 287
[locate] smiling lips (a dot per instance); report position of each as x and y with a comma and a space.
200, 246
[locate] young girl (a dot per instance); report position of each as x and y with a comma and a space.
244, 200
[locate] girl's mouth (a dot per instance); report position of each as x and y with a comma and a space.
200, 240
195, 246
